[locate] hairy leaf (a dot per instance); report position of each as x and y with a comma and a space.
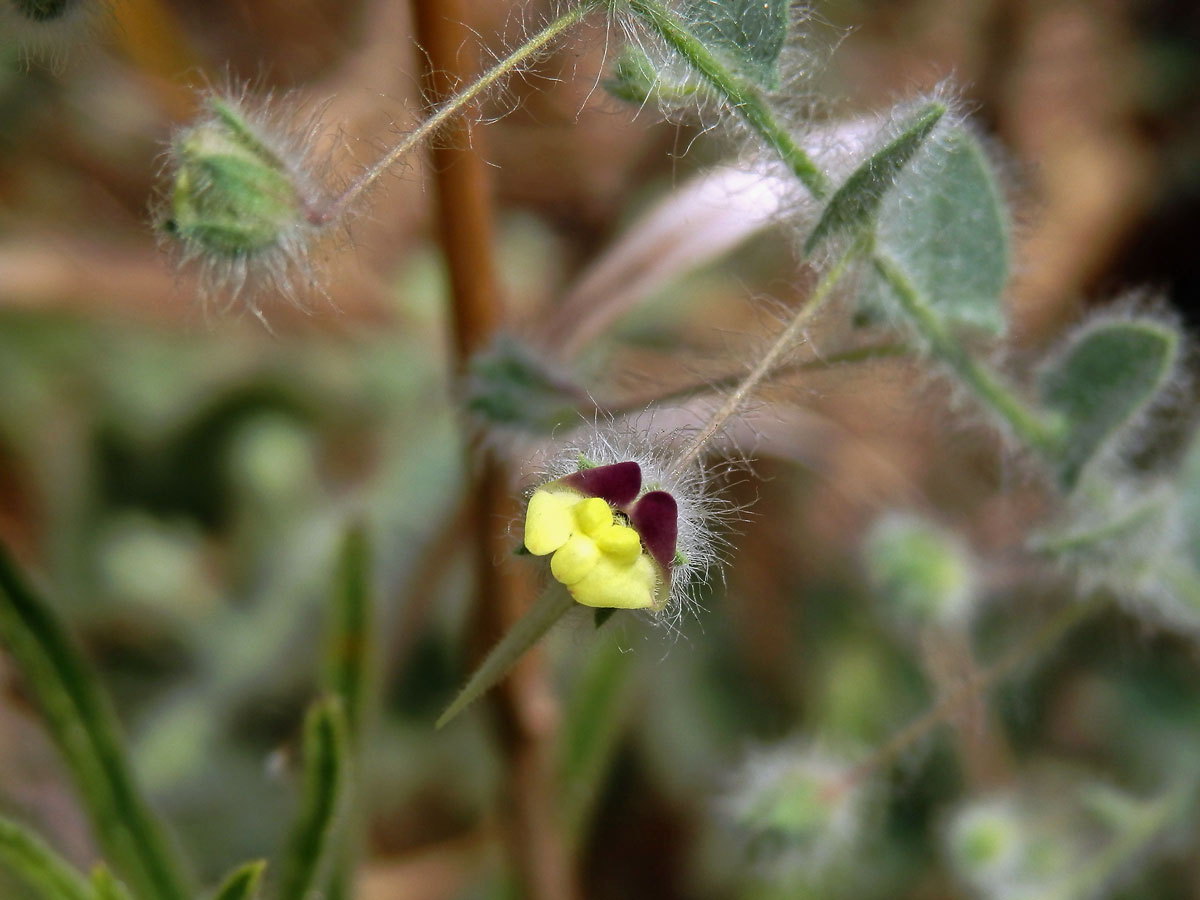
852, 210
748, 34
946, 225
1106, 376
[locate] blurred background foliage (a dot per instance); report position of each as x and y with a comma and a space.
180, 479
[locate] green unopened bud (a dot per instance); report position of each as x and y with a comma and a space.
797, 808
922, 572
232, 194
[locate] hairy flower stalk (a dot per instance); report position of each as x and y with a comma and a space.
244, 205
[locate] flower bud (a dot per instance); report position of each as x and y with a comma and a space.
238, 205
232, 195
922, 573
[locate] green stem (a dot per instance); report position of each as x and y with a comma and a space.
523, 55
766, 365
1043, 434
528, 630
745, 100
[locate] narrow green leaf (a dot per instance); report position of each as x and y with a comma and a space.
349, 653
852, 209
1106, 376
52, 877
311, 847
349, 668
528, 630
747, 34
242, 883
83, 726
106, 887
945, 224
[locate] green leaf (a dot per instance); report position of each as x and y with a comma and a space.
946, 226
242, 883
52, 877
349, 651
106, 887
311, 846
507, 385
349, 671
527, 631
748, 34
83, 726
853, 207
1107, 375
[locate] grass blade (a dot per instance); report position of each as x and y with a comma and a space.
83, 725
242, 883
311, 847
24, 853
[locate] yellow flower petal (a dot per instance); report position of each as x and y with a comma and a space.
621, 543
574, 559
548, 520
594, 516
614, 585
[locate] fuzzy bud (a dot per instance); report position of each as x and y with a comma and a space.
922, 573
43, 10
232, 195
240, 206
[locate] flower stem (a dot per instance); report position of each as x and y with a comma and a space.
1035, 429
766, 365
523, 55
744, 99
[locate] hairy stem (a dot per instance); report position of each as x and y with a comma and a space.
1034, 428
744, 99
765, 366
452, 106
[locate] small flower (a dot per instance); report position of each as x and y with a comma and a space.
611, 547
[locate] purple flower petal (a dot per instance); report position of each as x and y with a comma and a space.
618, 484
656, 520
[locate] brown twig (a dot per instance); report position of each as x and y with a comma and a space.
531, 832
